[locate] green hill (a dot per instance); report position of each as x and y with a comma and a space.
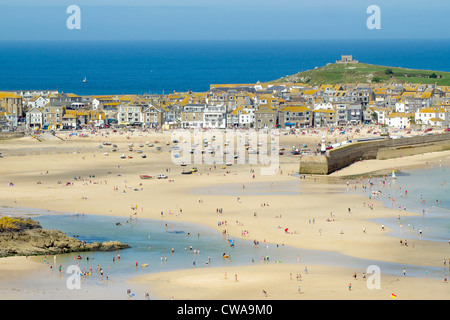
335, 73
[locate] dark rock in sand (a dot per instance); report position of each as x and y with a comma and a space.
26, 237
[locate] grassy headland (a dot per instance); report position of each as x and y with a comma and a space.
334, 73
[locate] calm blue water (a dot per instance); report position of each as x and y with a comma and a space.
157, 66
424, 191
150, 240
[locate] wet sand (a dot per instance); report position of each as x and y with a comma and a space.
315, 218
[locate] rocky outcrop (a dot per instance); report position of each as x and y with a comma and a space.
26, 237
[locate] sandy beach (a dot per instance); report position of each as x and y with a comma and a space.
73, 174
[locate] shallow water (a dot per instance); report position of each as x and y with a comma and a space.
151, 239
425, 191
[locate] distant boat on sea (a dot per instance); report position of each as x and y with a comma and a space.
84, 80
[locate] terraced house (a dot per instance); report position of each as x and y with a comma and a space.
266, 118
295, 117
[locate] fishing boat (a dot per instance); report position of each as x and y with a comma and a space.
186, 172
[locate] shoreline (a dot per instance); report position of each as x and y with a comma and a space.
174, 196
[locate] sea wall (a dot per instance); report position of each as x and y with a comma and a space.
339, 158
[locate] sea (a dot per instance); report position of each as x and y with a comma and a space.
156, 67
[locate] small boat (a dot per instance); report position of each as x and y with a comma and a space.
186, 172
143, 156
145, 176
183, 164
84, 80
295, 151
144, 265
158, 148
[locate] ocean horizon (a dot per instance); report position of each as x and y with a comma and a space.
156, 67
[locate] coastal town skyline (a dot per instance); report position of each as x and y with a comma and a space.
284, 104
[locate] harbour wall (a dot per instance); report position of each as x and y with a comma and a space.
336, 159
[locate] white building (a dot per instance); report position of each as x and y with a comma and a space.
433, 116
215, 117
129, 114
242, 117
34, 118
399, 120
37, 102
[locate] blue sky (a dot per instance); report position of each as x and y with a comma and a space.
26, 20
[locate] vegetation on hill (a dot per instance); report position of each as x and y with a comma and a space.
335, 73
17, 224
